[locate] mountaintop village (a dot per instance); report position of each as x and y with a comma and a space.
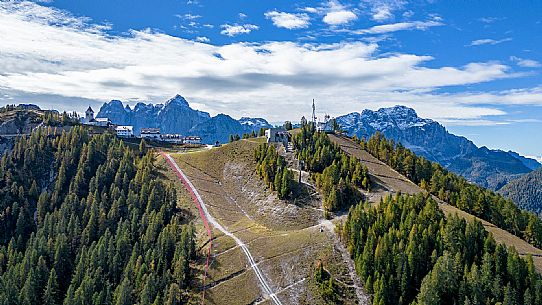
127, 131
273, 135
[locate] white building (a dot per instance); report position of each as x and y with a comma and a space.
277, 135
103, 122
150, 133
172, 138
192, 140
90, 120
124, 131
89, 115
324, 127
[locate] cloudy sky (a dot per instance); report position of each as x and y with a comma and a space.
475, 66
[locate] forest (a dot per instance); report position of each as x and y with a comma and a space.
338, 176
407, 252
526, 191
456, 190
87, 220
271, 168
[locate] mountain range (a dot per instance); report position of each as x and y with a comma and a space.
177, 117
515, 176
485, 167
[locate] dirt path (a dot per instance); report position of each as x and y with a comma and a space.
363, 297
263, 282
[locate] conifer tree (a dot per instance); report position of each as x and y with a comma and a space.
50, 295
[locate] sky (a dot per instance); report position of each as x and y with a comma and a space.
475, 66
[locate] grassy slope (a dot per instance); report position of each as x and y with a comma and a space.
284, 238
390, 181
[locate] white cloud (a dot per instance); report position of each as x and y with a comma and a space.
408, 14
489, 41
203, 39
489, 20
382, 13
188, 16
236, 29
339, 17
242, 16
288, 20
311, 10
71, 61
401, 26
382, 10
526, 63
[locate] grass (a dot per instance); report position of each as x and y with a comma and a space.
284, 238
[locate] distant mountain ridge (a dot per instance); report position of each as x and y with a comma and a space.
531, 163
485, 167
176, 116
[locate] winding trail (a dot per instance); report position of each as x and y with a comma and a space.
208, 218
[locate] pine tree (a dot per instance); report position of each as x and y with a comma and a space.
173, 295
142, 147
286, 184
50, 295
123, 293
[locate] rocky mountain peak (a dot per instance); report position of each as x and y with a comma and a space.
176, 116
401, 117
428, 138
254, 123
177, 100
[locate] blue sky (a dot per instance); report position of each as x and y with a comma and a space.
472, 65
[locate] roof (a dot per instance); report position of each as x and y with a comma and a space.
89, 109
171, 136
276, 129
124, 128
150, 130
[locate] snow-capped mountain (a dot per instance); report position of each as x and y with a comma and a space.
488, 168
176, 116
254, 123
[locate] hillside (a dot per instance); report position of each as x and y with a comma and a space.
526, 191
427, 138
389, 182
24, 118
283, 236
88, 220
411, 244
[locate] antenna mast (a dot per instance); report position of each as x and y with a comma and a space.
313, 113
